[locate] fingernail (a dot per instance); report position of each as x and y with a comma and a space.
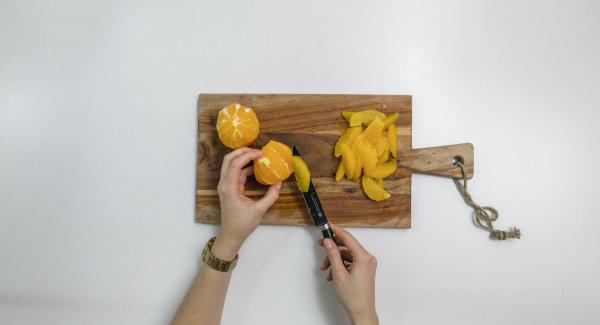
328, 243
278, 186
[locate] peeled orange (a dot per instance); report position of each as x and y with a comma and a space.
275, 165
237, 126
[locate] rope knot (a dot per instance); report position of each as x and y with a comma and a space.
504, 235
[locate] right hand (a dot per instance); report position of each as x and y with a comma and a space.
353, 272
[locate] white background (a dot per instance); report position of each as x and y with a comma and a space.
97, 155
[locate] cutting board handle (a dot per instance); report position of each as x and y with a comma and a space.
438, 160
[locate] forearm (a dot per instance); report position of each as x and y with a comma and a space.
203, 303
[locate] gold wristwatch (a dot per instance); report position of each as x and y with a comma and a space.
215, 262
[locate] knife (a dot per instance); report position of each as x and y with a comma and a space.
315, 209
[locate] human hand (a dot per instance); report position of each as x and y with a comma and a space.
353, 272
240, 215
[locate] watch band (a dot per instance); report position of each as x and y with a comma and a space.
215, 262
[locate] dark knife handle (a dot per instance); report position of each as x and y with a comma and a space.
328, 233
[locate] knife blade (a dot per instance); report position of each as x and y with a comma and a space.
315, 209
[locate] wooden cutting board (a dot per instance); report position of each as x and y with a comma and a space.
313, 123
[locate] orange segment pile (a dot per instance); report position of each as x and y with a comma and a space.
237, 126
368, 148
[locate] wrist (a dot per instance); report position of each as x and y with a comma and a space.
226, 247
365, 318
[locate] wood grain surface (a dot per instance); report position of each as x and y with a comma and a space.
438, 160
313, 123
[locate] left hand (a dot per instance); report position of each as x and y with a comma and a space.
240, 215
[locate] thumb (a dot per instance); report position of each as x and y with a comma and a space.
270, 197
335, 259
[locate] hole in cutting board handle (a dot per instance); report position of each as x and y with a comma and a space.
458, 159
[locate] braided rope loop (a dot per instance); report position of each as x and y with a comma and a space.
483, 216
